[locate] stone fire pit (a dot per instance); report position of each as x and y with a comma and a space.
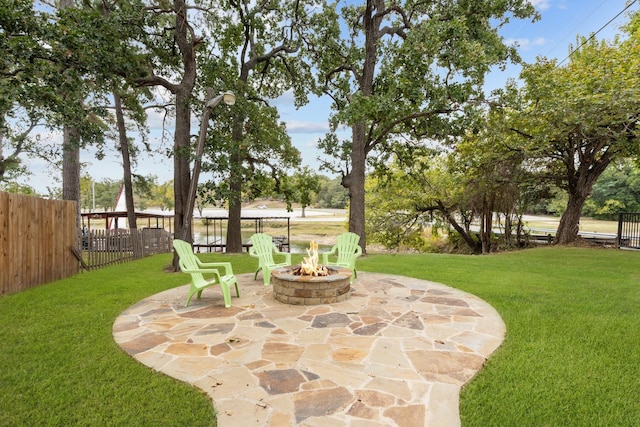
294, 289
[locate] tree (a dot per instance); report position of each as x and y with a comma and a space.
497, 182
143, 190
250, 151
616, 191
126, 99
12, 187
403, 68
11, 165
305, 185
29, 76
252, 164
480, 180
67, 61
162, 195
491, 177
406, 201
23, 73
332, 194
87, 194
580, 117
172, 46
106, 193
71, 139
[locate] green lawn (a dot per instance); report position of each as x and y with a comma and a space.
60, 366
571, 356
572, 352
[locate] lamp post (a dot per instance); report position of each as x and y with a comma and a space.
228, 98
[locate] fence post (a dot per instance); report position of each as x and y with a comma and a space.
619, 236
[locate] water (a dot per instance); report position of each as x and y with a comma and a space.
294, 248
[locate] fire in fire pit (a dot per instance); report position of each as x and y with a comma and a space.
311, 283
310, 265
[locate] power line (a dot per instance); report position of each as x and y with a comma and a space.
573, 30
596, 33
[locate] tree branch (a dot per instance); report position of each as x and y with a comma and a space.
421, 114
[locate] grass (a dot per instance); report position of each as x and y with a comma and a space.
61, 367
571, 355
570, 358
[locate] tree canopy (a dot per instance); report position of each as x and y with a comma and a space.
574, 120
400, 73
250, 152
560, 130
405, 77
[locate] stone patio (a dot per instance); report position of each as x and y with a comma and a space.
397, 352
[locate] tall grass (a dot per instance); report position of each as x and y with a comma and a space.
571, 355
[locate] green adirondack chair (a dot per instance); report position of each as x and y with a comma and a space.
220, 273
263, 248
345, 251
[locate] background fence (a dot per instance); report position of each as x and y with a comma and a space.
36, 241
629, 230
100, 248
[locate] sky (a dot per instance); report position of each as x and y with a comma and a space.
562, 21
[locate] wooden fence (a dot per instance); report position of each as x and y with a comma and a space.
100, 248
40, 243
36, 237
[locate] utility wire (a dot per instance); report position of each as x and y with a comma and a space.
573, 30
596, 33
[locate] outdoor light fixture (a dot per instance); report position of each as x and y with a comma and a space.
228, 98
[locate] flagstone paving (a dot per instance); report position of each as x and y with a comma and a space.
397, 352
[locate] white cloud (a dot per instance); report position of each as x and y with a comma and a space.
286, 99
527, 44
294, 126
541, 4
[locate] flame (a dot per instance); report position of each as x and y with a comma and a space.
310, 265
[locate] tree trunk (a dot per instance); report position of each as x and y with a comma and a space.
487, 224
181, 164
183, 37
468, 239
181, 168
71, 168
127, 181
71, 157
182, 136
570, 221
234, 228
356, 178
519, 230
580, 183
126, 160
355, 184
508, 223
464, 233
